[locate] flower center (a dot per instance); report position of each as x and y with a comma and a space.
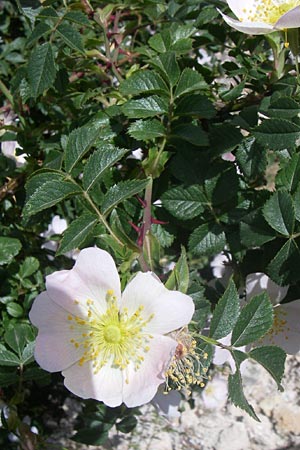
112, 334
268, 11
187, 365
113, 338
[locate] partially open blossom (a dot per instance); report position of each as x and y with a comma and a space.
110, 347
263, 16
285, 331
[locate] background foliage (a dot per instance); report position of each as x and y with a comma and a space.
87, 85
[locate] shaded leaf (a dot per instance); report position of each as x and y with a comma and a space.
76, 233
255, 320
41, 69
272, 358
226, 313
279, 212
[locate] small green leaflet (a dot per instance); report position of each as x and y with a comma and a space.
41, 69
119, 192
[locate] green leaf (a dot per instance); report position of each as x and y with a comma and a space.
18, 337
226, 313
70, 36
41, 69
76, 233
207, 240
8, 358
99, 162
127, 424
236, 394
284, 267
8, 378
191, 133
9, 248
289, 176
233, 93
41, 30
202, 305
297, 203
77, 17
47, 13
144, 81
277, 134
49, 194
189, 81
224, 137
284, 107
28, 353
96, 434
272, 359
144, 130
41, 177
14, 309
195, 105
164, 238
119, 192
251, 158
179, 277
184, 203
145, 107
279, 212
160, 42
255, 320
254, 230
29, 266
79, 143
168, 65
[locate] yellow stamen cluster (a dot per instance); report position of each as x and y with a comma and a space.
113, 338
186, 367
268, 11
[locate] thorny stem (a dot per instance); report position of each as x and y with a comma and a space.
110, 57
146, 225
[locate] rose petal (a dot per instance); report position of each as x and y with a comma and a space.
93, 274
143, 383
291, 19
258, 282
241, 8
106, 385
53, 349
248, 27
171, 309
286, 328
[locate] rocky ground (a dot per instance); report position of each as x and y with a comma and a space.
213, 424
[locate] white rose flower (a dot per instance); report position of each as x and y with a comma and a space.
110, 347
263, 16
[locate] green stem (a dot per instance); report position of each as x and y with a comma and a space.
212, 341
94, 207
101, 217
